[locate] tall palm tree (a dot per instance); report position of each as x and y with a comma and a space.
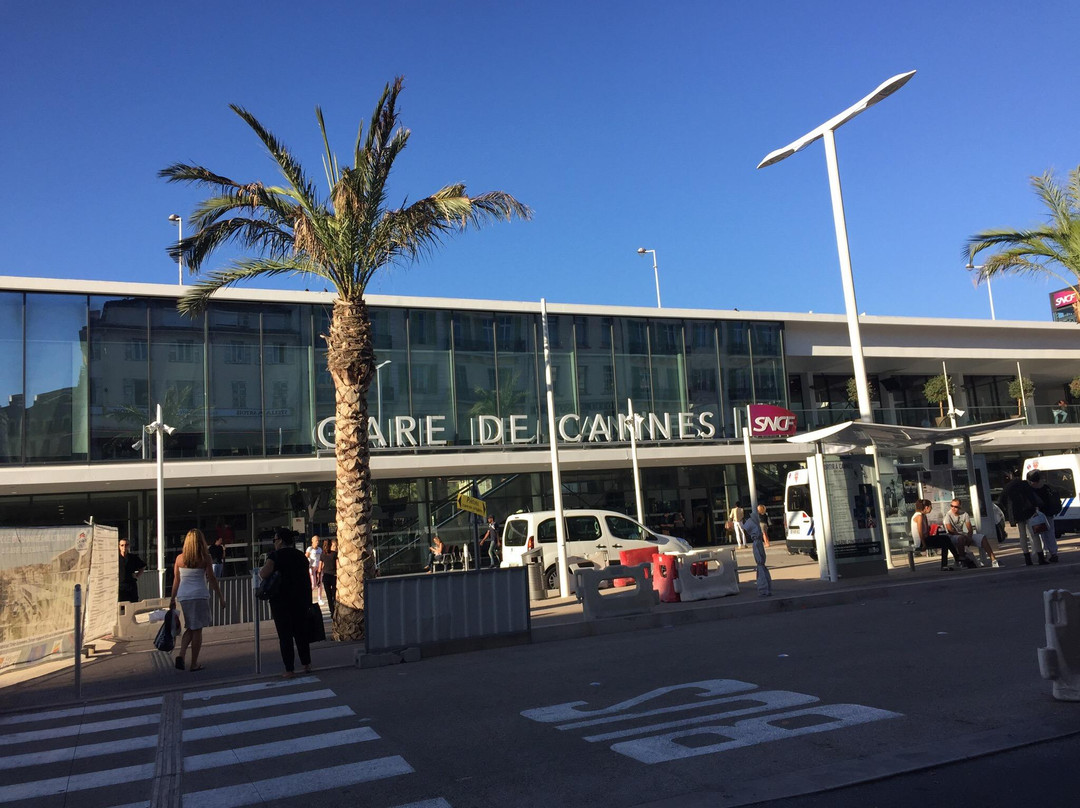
1052, 250
343, 238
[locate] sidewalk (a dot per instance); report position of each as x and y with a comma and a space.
131, 668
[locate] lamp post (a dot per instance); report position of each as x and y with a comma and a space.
159, 429
989, 291
378, 387
634, 420
827, 132
180, 256
656, 272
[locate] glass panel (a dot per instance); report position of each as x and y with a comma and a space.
324, 384
768, 363
702, 370
11, 377
122, 511
474, 370
177, 367
668, 370
632, 379
56, 380
738, 385
61, 509
286, 389
430, 371
595, 367
119, 378
236, 407
517, 393
388, 395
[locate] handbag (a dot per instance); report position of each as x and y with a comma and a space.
1038, 523
270, 587
314, 627
164, 640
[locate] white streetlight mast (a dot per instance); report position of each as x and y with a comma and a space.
989, 291
826, 132
159, 429
378, 386
656, 272
179, 237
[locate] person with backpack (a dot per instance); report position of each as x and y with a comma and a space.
1049, 506
290, 603
1020, 504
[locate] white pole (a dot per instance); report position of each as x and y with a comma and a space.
180, 257
656, 276
1023, 392
750, 464
159, 441
556, 479
948, 395
990, 292
850, 307
634, 462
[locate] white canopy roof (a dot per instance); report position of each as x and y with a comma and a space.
854, 435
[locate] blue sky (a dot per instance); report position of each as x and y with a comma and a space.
622, 124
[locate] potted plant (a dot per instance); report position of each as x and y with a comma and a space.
1074, 387
853, 391
1020, 388
936, 391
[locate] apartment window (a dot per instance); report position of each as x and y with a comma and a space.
276, 354
182, 351
237, 353
135, 350
279, 395
239, 395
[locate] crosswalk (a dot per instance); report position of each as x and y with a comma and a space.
216, 748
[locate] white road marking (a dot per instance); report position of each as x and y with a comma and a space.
78, 729
75, 712
270, 722
766, 699
238, 689
81, 752
295, 785
256, 704
76, 782
438, 802
675, 708
748, 732
569, 712
307, 743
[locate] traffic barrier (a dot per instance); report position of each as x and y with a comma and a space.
133, 619
631, 558
640, 599
1060, 660
664, 577
704, 574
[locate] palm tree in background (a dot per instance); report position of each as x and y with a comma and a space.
1052, 250
344, 239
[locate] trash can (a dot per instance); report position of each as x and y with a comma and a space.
533, 560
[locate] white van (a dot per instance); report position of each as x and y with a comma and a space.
1060, 473
595, 536
799, 514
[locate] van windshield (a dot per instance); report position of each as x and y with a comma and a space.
798, 499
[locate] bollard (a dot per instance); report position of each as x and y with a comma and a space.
78, 641
255, 581
1059, 661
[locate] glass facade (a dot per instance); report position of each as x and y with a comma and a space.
81, 374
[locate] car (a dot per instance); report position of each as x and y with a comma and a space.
592, 536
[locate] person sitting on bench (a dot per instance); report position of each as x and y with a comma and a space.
922, 538
958, 526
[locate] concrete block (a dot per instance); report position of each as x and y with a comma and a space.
1059, 661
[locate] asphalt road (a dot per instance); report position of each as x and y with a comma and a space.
912, 690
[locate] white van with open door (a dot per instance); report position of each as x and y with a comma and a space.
594, 536
1060, 473
799, 514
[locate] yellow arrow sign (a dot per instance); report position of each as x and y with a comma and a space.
472, 504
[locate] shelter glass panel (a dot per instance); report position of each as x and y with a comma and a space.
11, 377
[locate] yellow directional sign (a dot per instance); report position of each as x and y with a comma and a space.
472, 504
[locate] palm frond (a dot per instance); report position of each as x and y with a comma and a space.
197, 297
290, 168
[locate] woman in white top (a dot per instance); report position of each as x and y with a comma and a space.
314, 560
192, 572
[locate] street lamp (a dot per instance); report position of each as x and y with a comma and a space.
989, 291
827, 132
180, 256
159, 429
378, 387
656, 272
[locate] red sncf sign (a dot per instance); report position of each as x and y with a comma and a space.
767, 421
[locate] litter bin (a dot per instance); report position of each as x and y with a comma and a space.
533, 560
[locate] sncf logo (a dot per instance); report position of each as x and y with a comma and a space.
767, 421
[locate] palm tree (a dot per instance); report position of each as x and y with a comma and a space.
343, 239
1052, 250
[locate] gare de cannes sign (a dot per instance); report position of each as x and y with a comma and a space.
492, 430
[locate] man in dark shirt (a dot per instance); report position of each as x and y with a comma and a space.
1019, 502
217, 556
130, 567
290, 606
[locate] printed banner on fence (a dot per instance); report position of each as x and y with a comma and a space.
39, 567
99, 605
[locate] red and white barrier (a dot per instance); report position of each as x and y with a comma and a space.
1060, 660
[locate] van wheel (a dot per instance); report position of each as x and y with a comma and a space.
551, 577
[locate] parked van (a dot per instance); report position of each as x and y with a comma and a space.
595, 536
799, 514
1060, 473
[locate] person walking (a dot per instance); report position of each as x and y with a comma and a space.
293, 599
217, 556
1049, 506
490, 540
765, 522
130, 568
314, 557
752, 528
735, 519
1020, 503
193, 578
328, 573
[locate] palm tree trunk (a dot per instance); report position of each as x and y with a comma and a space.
351, 361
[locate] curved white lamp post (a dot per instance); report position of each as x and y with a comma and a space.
656, 272
179, 237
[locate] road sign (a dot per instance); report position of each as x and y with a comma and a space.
472, 504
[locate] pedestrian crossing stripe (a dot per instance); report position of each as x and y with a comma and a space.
78, 729
81, 752
257, 704
77, 712
76, 782
237, 690
307, 743
268, 722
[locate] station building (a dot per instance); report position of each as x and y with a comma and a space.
458, 406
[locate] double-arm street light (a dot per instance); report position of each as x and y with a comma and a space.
159, 429
175, 218
989, 291
827, 132
655, 271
